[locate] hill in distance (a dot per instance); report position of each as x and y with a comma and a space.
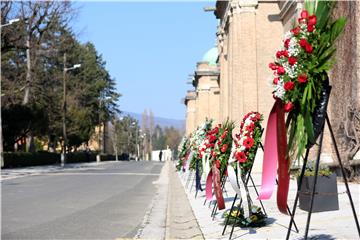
162, 122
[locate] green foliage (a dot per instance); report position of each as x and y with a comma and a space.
126, 135
91, 95
23, 159
310, 170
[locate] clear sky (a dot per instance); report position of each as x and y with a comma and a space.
150, 48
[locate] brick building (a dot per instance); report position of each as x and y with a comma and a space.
248, 34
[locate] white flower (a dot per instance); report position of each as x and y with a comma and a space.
288, 35
279, 90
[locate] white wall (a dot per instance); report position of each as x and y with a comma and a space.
167, 155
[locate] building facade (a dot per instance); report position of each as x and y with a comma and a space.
248, 35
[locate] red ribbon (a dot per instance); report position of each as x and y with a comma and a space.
217, 187
275, 155
283, 160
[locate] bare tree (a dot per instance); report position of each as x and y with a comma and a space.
36, 19
151, 128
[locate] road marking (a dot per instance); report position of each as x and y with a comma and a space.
4, 178
104, 174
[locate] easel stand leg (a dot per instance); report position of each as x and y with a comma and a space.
297, 193
228, 217
312, 196
188, 179
315, 181
344, 175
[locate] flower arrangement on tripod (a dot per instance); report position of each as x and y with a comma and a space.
196, 140
221, 153
183, 150
219, 161
247, 140
300, 70
301, 88
246, 144
208, 144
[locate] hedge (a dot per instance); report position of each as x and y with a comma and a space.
26, 159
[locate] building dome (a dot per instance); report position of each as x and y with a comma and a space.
211, 56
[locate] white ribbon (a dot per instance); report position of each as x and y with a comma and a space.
205, 165
189, 160
236, 182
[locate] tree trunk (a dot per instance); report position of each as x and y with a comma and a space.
28, 72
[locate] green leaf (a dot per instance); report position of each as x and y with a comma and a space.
337, 28
303, 101
309, 127
310, 6
291, 135
323, 12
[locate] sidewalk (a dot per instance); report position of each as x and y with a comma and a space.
327, 225
170, 215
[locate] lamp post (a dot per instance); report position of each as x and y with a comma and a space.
1, 134
10, 22
63, 155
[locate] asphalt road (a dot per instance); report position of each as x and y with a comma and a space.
103, 202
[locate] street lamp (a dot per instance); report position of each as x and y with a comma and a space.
11, 22
63, 155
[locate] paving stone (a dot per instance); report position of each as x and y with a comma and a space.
327, 225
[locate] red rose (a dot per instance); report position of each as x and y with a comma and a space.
312, 20
285, 53
213, 154
292, 60
248, 142
286, 43
295, 30
303, 42
304, 14
279, 54
273, 66
276, 80
308, 48
280, 70
302, 78
288, 86
301, 20
310, 28
240, 156
224, 147
288, 106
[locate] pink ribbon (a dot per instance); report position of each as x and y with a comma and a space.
274, 155
208, 188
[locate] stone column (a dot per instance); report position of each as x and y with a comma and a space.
229, 70
190, 102
244, 81
223, 106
